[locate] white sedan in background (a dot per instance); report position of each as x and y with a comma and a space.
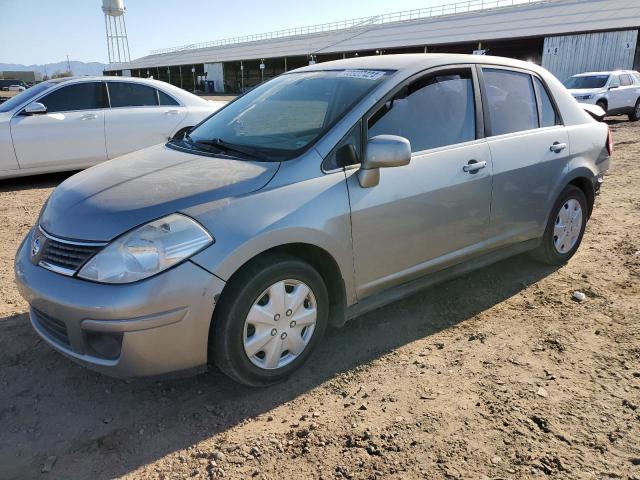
73, 123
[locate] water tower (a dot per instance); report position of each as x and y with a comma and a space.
117, 43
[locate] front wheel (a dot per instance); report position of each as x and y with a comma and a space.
269, 320
565, 227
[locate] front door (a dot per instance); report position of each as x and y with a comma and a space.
140, 116
435, 211
69, 135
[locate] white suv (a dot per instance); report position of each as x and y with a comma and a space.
617, 93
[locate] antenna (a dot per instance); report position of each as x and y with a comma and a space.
117, 42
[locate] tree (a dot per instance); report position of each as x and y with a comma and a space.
60, 74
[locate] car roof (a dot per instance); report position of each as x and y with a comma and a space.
409, 62
97, 78
588, 74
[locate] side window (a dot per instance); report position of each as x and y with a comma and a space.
637, 76
434, 111
625, 80
615, 81
166, 99
347, 152
124, 94
548, 115
78, 96
511, 101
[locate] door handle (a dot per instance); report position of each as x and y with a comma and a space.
171, 112
473, 166
557, 147
89, 116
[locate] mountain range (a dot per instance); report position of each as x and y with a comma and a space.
77, 68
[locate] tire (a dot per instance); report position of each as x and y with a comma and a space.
232, 329
553, 250
635, 115
602, 104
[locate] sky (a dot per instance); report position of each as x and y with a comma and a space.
43, 31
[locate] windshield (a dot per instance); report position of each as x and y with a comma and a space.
587, 81
25, 96
280, 118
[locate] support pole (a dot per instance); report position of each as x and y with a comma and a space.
106, 28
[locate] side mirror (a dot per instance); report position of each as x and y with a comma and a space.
35, 108
383, 151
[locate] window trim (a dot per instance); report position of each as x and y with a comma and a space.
487, 120
478, 108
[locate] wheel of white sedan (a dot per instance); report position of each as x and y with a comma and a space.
269, 319
565, 227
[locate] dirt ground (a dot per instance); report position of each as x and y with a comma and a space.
498, 374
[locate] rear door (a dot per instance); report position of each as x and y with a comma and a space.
630, 90
434, 211
617, 95
140, 116
529, 148
70, 134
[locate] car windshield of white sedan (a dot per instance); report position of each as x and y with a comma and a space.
587, 81
280, 118
25, 96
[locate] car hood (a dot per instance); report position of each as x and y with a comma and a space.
584, 91
107, 200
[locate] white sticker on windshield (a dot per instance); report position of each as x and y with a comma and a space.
364, 74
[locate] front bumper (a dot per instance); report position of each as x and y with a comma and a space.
152, 327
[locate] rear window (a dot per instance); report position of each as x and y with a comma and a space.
124, 94
78, 96
625, 80
166, 99
548, 114
511, 101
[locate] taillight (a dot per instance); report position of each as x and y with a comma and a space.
610, 142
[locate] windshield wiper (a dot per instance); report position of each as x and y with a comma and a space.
230, 147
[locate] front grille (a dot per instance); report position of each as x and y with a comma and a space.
66, 255
55, 328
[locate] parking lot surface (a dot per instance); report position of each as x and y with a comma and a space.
498, 374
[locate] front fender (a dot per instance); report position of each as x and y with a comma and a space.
314, 212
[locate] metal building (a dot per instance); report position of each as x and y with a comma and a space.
565, 36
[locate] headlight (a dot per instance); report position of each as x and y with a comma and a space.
147, 250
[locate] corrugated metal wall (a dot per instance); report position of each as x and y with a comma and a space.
570, 54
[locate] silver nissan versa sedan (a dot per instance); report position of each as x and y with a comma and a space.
318, 196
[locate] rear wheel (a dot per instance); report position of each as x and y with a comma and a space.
565, 227
635, 115
269, 320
